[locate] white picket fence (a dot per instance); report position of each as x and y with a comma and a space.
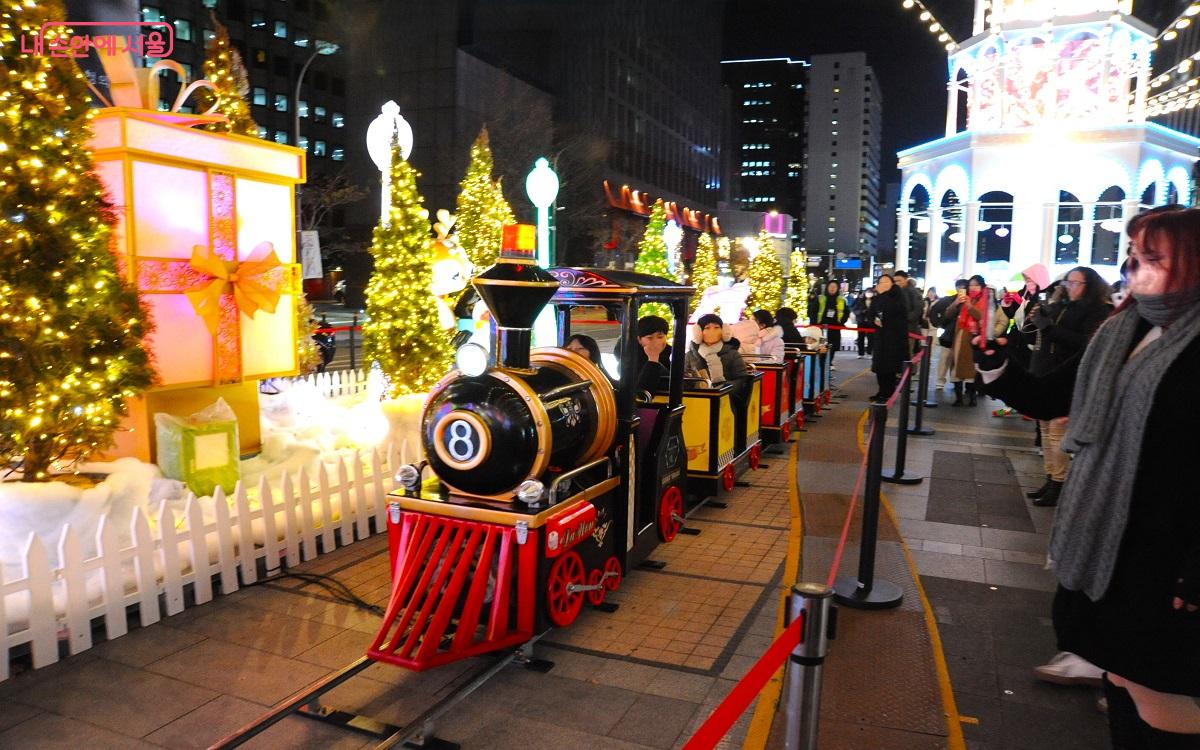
64, 601
335, 382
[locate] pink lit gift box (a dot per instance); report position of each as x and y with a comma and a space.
206, 229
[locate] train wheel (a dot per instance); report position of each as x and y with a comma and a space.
755, 457
817, 405
595, 597
670, 510
562, 604
800, 419
785, 432
728, 478
613, 582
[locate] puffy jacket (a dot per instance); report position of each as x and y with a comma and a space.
770, 343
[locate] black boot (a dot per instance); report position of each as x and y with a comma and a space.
1050, 498
958, 390
971, 394
1040, 490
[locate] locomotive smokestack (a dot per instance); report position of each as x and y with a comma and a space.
515, 290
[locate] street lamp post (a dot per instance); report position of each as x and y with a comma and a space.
542, 187
319, 48
385, 129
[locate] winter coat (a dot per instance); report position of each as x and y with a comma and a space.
939, 319
889, 314
770, 343
731, 360
791, 334
1133, 631
916, 306
964, 361
1065, 329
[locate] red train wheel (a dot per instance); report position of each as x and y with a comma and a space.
800, 419
595, 597
785, 432
755, 456
828, 397
728, 478
613, 582
817, 405
563, 605
670, 509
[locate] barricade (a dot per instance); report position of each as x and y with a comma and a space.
812, 619
904, 395
923, 392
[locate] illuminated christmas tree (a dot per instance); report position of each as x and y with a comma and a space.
652, 257
704, 267
402, 332
224, 69
482, 211
71, 324
307, 355
766, 276
797, 293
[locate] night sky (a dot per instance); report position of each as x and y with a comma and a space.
908, 60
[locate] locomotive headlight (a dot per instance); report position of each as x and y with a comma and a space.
409, 476
530, 491
471, 359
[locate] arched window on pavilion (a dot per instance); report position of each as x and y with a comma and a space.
993, 230
918, 229
951, 227
1068, 229
1148, 196
1107, 227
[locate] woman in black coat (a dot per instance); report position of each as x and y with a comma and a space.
888, 313
1126, 542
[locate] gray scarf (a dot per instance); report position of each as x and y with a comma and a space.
1111, 404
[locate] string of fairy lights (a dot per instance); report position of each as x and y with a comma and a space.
935, 27
1185, 94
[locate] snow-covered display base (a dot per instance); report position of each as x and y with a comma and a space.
70, 553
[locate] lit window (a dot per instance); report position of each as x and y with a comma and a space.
318, 148
338, 120
300, 38
281, 29
210, 3
281, 103
303, 142
209, 35
258, 20
263, 132
183, 30
319, 114
281, 137
302, 108
260, 96
150, 13
338, 154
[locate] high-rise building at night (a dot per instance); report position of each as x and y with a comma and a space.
845, 123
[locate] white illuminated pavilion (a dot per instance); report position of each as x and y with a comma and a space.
1047, 150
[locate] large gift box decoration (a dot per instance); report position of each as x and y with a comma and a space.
206, 229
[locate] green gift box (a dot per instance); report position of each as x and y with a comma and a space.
202, 450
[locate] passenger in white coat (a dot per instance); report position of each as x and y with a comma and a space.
770, 336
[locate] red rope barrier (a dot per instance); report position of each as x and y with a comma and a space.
335, 329
724, 715
841, 546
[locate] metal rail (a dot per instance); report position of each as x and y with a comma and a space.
421, 727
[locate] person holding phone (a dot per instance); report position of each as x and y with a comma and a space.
968, 312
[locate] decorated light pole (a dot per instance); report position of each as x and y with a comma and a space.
542, 187
387, 126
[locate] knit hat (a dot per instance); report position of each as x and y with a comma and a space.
652, 324
709, 319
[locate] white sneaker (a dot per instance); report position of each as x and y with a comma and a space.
1068, 669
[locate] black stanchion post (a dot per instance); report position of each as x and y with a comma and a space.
864, 592
353, 325
923, 391
897, 475
930, 403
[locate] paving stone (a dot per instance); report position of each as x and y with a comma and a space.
655, 721
682, 685
13, 713
1019, 575
262, 629
1013, 540
139, 647
50, 731
949, 566
207, 724
248, 673
940, 532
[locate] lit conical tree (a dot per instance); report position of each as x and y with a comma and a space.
307, 356
766, 277
402, 332
652, 256
482, 211
704, 267
71, 325
797, 292
224, 69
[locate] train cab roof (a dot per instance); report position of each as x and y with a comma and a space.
581, 285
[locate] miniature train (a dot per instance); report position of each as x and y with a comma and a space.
543, 480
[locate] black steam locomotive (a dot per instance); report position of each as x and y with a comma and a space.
545, 481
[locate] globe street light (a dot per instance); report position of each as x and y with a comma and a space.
319, 48
388, 128
542, 187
